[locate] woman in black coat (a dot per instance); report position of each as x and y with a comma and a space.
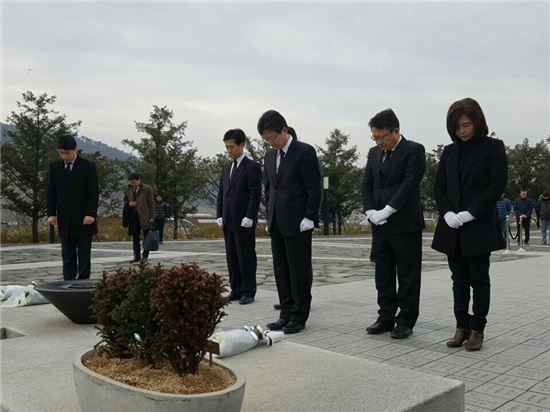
471, 177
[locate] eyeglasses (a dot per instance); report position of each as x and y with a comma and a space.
381, 137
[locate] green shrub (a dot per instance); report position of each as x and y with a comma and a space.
134, 315
109, 293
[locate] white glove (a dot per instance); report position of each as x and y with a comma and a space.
465, 217
266, 228
306, 224
379, 217
246, 222
452, 220
369, 213
219, 221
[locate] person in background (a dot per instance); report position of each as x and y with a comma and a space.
504, 207
544, 207
141, 208
73, 196
237, 207
471, 177
162, 211
523, 208
537, 211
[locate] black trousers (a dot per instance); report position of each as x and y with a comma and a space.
240, 252
293, 273
136, 244
526, 223
76, 255
470, 272
397, 254
159, 224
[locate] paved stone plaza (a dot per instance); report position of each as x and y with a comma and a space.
510, 373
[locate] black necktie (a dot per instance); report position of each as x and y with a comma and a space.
387, 156
281, 158
68, 169
233, 169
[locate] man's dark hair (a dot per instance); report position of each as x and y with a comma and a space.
235, 134
386, 119
66, 142
133, 176
471, 109
271, 120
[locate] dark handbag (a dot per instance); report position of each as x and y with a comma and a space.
151, 241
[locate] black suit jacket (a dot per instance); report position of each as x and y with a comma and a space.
239, 196
73, 197
400, 186
294, 192
476, 191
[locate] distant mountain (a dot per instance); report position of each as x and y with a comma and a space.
84, 143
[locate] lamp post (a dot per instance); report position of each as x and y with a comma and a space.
325, 205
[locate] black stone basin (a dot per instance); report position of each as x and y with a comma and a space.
72, 297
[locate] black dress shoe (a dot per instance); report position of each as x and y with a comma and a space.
245, 300
277, 306
135, 260
279, 325
401, 332
234, 296
293, 327
378, 327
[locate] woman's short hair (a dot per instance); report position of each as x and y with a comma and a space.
470, 108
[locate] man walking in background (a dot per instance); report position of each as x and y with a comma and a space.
73, 195
139, 200
293, 195
237, 213
391, 201
523, 208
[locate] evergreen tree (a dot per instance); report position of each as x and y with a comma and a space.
339, 163
26, 157
169, 163
529, 168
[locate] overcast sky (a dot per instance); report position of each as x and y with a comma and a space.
322, 65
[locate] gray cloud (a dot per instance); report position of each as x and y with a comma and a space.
323, 65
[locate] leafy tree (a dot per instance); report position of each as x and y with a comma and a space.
528, 168
25, 158
256, 148
110, 173
169, 163
428, 181
338, 162
212, 166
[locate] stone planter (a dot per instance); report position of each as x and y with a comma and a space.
97, 393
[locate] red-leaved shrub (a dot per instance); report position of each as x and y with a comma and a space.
188, 302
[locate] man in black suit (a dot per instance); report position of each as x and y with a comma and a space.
237, 212
293, 195
391, 201
73, 195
